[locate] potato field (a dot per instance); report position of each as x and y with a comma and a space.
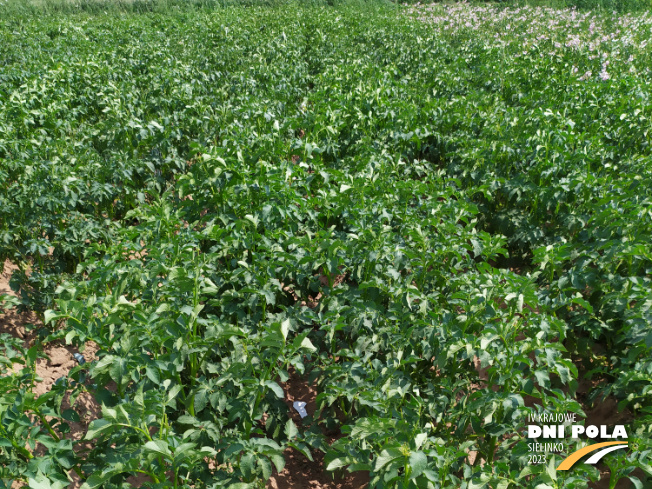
376, 242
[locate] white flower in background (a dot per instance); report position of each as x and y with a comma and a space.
604, 76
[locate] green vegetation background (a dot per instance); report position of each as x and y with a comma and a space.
98, 6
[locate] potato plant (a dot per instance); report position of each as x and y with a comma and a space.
441, 215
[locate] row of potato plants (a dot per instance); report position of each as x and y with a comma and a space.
179, 188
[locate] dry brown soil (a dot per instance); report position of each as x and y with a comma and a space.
299, 472
57, 363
